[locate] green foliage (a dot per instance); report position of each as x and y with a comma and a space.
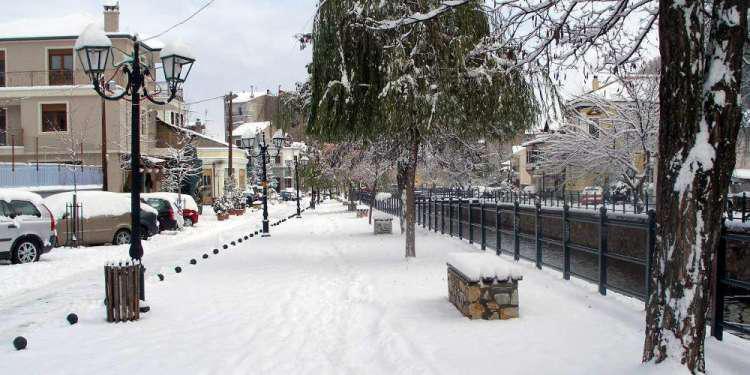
412, 82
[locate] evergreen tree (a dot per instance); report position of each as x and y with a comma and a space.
407, 71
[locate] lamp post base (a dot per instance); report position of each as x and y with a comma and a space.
265, 232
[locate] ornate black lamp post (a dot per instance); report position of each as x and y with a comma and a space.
260, 148
94, 50
297, 161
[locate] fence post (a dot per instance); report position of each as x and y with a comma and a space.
460, 225
650, 251
516, 239
717, 323
603, 234
484, 230
498, 228
538, 233
450, 215
471, 222
429, 214
442, 216
566, 240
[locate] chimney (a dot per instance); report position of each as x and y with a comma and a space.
111, 16
595, 84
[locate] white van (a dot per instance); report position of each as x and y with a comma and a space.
27, 227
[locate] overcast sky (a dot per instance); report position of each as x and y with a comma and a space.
238, 43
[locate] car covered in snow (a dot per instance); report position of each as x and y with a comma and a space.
168, 214
89, 218
591, 195
27, 226
183, 203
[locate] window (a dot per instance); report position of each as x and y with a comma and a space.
594, 127
60, 66
532, 156
277, 160
24, 208
54, 118
3, 128
238, 142
2, 68
172, 114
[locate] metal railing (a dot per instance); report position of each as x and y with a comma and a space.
48, 175
11, 137
612, 250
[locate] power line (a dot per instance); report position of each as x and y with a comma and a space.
205, 100
183, 21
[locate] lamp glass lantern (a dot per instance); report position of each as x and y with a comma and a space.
176, 67
304, 160
94, 49
278, 139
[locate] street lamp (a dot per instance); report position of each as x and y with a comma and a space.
94, 50
259, 147
297, 161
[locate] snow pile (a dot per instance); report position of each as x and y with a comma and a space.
378, 215
9, 195
177, 48
92, 36
382, 196
479, 266
93, 203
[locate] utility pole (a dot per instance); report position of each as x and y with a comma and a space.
104, 145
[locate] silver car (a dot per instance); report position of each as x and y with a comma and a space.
27, 227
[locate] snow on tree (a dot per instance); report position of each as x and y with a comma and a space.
701, 45
615, 140
406, 71
181, 166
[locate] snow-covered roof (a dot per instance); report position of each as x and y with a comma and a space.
743, 174
67, 26
536, 140
250, 129
246, 96
517, 149
193, 133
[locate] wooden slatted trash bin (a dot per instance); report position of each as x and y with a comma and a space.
482, 286
122, 283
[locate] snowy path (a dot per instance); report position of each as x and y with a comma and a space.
324, 296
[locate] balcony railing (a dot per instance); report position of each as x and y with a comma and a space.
11, 137
39, 78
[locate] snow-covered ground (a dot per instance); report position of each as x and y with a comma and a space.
321, 296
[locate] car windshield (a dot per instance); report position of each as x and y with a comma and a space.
158, 204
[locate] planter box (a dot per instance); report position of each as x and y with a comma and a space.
383, 226
362, 212
237, 212
222, 216
488, 299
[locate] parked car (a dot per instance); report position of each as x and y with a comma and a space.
167, 213
592, 195
287, 195
27, 227
99, 218
184, 203
530, 190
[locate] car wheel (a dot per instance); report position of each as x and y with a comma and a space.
188, 222
25, 251
122, 237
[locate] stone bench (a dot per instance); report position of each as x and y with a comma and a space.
482, 286
382, 224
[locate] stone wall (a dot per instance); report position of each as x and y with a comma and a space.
480, 300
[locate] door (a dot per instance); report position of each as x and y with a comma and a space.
8, 228
60, 67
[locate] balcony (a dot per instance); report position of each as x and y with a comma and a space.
49, 78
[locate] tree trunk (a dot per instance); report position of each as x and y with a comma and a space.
410, 209
696, 158
401, 183
372, 198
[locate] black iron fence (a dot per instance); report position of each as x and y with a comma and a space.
737, 205
612, 249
